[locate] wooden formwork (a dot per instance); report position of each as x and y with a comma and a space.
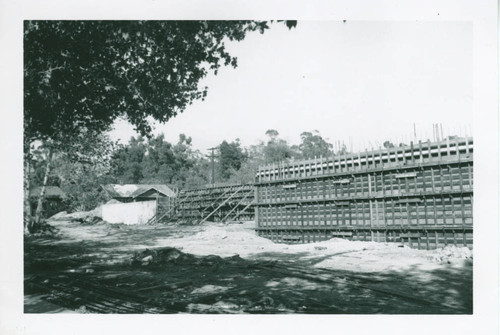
420, 195
216, 203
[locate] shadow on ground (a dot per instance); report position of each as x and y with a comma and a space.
86, 277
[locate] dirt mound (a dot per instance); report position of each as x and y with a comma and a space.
59, 216
168, 255
92, 217
90, 220
451, 253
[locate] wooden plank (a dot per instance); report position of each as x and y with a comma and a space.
435, 211
429, 149
417, 211
356, 212
420, 150
450, 172
433, 181
463, 210
384, 217
441, 178
341, 233
448, 150
453, 215
407, 187
469, 170
439, 152
412, 156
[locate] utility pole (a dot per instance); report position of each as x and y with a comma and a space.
213, 164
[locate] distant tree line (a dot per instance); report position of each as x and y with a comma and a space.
157, 161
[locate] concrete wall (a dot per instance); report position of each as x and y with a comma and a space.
129, 213
421, 196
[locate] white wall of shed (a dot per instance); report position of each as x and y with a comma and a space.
129, 213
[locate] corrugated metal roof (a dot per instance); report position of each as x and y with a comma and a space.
135, 190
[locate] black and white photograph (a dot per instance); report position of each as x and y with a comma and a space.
281, 166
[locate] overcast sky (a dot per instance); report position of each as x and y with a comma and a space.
360, 82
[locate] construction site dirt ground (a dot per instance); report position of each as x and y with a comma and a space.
227, 268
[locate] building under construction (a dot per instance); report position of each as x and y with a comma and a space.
420, 195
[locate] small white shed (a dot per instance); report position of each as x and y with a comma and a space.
135, 203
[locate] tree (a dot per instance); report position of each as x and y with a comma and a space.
276, 149
73, 169
246, 173
156, 161
80, 178
231, 158
38, 167
87, 73
313, 145
272, 134
127, 161
388, 144
198, 175
167, 163
79, 76
186, 159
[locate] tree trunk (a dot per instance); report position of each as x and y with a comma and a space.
39, 208
26, 199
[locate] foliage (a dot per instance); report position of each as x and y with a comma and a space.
313, 145
272, 134
343, 150
277, 149
155, 160
78, 172
388, 145
246, 173
83, 191
197, 176
231, 157
84, 74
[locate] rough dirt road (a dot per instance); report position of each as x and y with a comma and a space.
218, 268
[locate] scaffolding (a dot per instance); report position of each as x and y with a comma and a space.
219, 203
